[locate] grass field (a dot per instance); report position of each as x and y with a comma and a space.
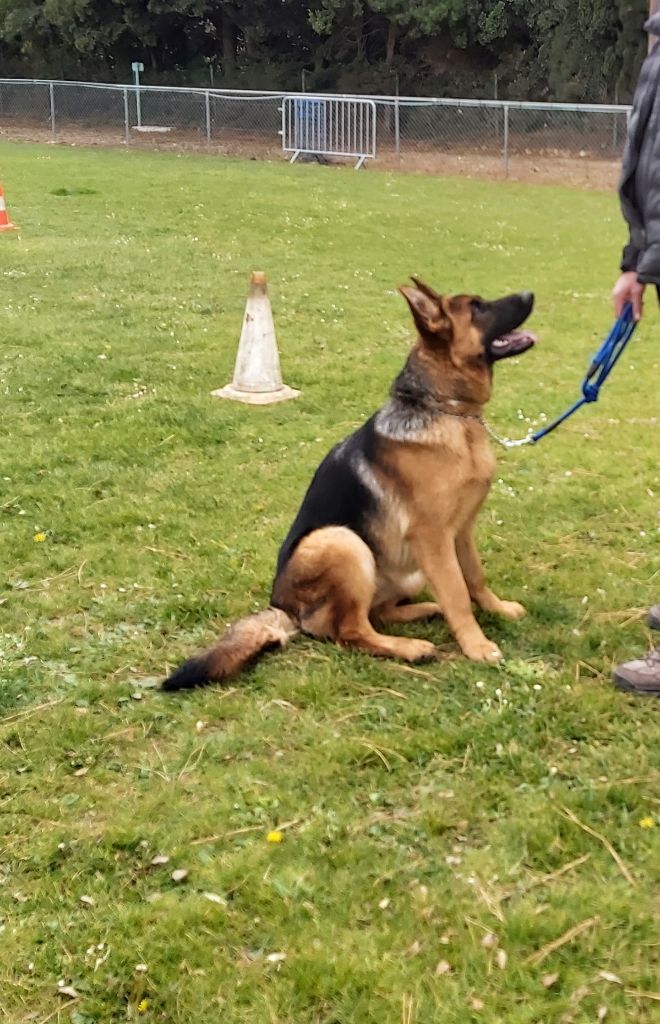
460, 843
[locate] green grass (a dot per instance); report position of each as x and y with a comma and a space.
428, 805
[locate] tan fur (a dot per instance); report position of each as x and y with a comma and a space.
246, 639
329, 585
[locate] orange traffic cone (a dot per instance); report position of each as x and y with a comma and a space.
5, 223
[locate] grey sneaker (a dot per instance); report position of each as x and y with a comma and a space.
641, 676
654, 617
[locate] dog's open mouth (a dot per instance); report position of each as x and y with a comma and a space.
512, 344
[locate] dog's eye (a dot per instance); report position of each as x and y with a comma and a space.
478, 306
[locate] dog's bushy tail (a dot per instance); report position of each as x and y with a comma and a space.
241, 644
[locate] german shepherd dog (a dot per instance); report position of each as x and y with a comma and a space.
392, 508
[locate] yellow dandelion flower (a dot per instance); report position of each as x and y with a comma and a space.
39, 538
647, 822
143, 1006
275, 836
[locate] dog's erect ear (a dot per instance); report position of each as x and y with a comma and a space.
427, 311
426, 288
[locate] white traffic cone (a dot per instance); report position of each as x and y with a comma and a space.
257, 376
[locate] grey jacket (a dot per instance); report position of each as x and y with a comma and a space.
639, 188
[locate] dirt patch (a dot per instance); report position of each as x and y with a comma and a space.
543, 166
569, 170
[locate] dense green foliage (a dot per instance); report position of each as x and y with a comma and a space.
569, 49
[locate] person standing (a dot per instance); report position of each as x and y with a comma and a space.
639, 194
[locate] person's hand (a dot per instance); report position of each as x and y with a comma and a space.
628, 289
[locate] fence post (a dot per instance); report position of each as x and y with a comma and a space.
207, 103
397, 122
505, 152
126, 126
51, 93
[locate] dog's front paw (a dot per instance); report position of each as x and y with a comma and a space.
482, 649
421, 650
512, 610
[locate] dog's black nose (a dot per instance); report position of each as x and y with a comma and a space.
527, 298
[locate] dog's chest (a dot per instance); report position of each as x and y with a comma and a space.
465, 489
393, 537
440, 487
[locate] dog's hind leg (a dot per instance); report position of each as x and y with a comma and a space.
331, 579
406, 612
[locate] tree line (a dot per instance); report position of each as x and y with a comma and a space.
572, 50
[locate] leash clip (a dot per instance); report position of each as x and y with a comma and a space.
518, 443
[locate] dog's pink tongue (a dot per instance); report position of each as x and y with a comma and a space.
519, 336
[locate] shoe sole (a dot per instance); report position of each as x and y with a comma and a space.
627, 687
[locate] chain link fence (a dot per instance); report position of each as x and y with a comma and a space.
574, 144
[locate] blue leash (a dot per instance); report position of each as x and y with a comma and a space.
601, 367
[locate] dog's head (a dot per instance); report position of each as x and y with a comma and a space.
462, 336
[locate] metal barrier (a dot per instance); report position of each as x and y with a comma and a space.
329, 126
